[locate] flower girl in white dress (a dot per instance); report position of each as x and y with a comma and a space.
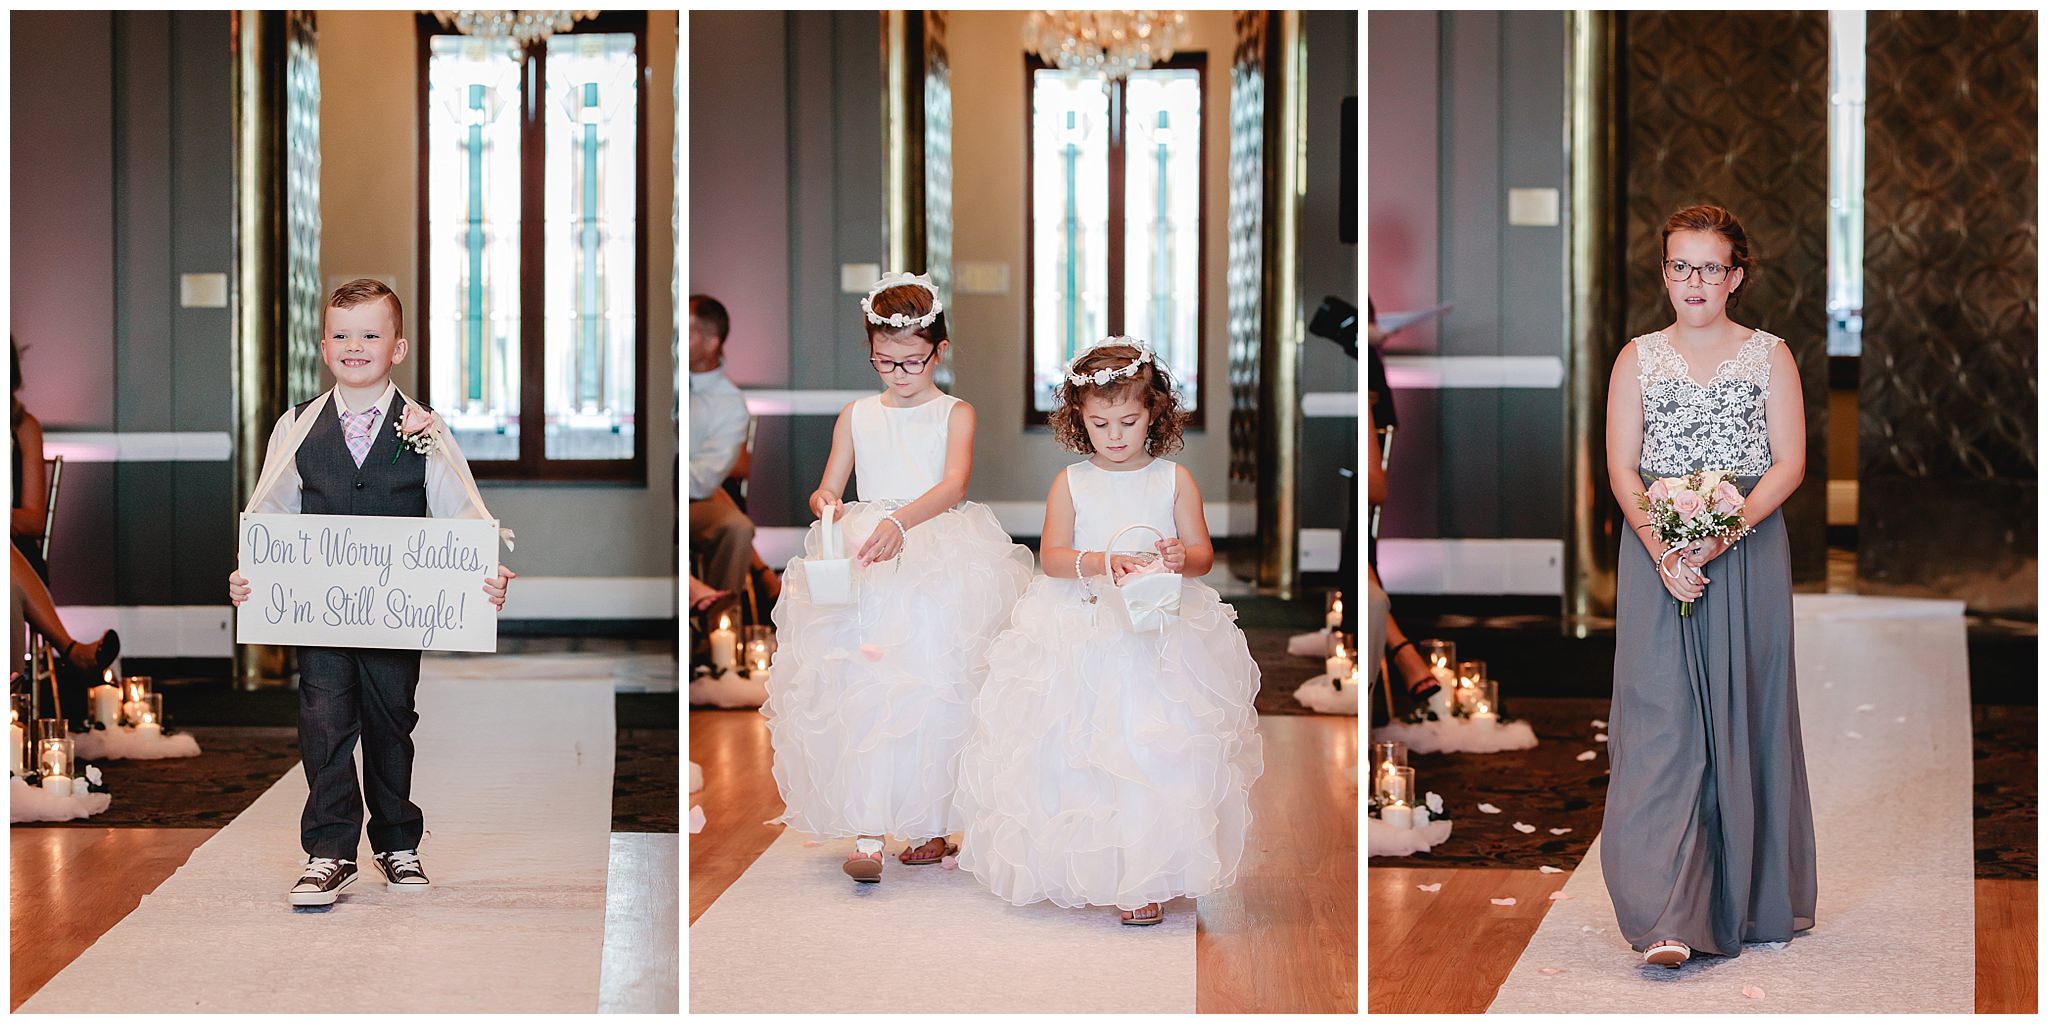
1111, 765
869, 701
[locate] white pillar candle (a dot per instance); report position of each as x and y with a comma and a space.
149, 729
724, 645
105, 701
1337, 665
1485, 719
1397, 815
59, 784
1335, 616
1440, 702
14, 748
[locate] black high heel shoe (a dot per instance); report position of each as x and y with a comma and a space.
1421, 688
103, 656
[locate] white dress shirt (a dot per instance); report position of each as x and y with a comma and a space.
718, 430
447, 492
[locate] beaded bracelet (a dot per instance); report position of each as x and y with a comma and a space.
902, 532
1078, 555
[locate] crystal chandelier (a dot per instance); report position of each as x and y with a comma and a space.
1112, 43
523, 28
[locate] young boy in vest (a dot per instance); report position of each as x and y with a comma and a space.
353, 462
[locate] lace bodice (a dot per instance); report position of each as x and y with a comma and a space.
1718, 426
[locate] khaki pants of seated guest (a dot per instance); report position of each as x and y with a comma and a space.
723, 537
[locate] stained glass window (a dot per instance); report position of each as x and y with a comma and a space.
592, 114
1116, 218
473, 183
1163, 217
532, 334
1069, 222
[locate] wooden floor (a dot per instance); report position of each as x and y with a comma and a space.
1413, 936
1284, 939
68, 886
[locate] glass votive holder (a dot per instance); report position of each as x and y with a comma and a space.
1437, 654
136, 687
149, 711
21, 708
1396, 785
51, 729
757, 647
53, 757
1388, 754
1486, 699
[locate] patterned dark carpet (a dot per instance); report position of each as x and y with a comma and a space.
239, 762
1546, 787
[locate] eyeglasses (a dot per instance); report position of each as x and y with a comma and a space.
1710, 273
912, 366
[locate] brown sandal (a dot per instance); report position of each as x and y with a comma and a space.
1157, 915
864, 867
915, 856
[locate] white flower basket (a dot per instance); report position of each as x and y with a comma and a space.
830, 577
1148, 600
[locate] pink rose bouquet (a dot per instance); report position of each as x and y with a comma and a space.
1694, 507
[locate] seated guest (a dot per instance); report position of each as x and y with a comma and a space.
31, 485
718, 433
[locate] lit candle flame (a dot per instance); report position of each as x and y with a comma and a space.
725, 622
1337, 606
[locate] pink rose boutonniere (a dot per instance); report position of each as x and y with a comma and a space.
415, 427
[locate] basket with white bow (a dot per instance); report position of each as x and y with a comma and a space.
1148, 599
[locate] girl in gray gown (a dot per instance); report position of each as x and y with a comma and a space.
1708, 837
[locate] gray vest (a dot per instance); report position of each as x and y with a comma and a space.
331, 484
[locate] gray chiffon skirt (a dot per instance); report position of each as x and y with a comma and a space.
1708, 834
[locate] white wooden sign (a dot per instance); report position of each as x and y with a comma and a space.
368, 581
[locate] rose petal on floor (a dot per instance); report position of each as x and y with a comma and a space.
1431, 887
1559, 831
1550, 970
1503, 901
1853, 734
1519, 827
1488, 809
1587, 756
1599, 737
948, 863
1561, 895
1548, 870
1866, 707
1752, 991
696, 819
812, 842
1598, 724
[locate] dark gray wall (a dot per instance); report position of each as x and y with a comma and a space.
1471, 462
786, 185
122, 180
1328, 267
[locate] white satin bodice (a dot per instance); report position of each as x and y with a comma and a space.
1106, 501
898, 454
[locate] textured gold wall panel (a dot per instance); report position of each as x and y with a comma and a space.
1731, 109
1948, 393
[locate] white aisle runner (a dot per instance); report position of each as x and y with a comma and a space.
1884, 706
515, 779
795, 935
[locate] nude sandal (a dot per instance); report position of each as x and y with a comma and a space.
1157, 915
922, 859
864, 867
1668, 953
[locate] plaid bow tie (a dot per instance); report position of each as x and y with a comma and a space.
359, 429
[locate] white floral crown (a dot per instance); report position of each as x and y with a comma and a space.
1102, 377
901, 320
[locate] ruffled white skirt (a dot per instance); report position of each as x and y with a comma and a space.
869, 703
1110, 768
